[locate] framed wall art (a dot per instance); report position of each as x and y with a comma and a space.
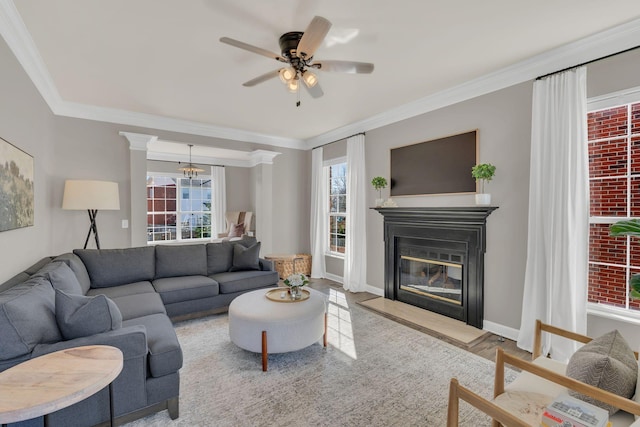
439, 166
16, 187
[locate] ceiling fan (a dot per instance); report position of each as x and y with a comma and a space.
297, 49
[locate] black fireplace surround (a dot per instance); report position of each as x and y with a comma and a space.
452, 237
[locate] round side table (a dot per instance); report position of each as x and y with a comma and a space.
56, 380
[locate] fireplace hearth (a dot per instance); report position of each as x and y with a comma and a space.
434, 259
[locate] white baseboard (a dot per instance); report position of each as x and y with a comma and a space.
334, 278
373, 290
501, 330
368, 288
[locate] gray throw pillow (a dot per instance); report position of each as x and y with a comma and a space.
606, 362
81, 316
246, 258
27, 318
61, 277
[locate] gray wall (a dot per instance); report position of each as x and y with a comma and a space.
503, 121
68, 148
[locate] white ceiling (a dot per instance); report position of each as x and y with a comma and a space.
159, 63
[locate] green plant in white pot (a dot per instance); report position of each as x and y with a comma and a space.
379, 183
630, 227
483, 172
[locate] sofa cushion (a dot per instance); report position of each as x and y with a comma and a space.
77, 266
219, 257
606, 362
124, 290
81, 316
181, 260
240, 281
27, 317
185, 288
132, 306
114, 267
61, 277
246, 258
165, 354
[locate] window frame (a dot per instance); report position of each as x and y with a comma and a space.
179, 212
599, 103
328, 164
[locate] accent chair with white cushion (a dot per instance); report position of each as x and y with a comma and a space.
604, 371
239, 224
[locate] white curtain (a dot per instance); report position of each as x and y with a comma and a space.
555, 288
319, 214
355, 254
219, 199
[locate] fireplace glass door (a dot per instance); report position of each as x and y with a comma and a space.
432, 279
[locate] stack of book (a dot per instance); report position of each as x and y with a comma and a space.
567, 411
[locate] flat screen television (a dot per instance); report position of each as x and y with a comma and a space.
440, 166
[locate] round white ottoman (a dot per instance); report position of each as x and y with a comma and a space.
260, 325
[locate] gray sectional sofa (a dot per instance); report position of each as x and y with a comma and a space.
125, 298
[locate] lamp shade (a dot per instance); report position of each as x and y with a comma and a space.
83, 195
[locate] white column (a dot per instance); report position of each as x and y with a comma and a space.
138, 185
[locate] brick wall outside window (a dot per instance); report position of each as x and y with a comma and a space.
614, 175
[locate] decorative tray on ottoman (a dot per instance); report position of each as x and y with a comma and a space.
282, 295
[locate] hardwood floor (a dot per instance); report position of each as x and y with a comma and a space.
485, 348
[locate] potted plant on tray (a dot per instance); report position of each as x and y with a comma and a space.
483, 172
379, 183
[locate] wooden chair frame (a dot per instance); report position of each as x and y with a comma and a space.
498, 414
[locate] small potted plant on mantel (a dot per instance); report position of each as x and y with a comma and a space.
379, 183
483, 172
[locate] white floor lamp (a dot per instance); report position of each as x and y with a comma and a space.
91, 196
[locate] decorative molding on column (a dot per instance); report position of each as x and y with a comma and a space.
138, 141
257, 157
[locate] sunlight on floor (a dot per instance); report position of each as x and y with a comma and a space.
340, 331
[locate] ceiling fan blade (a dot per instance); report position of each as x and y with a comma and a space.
313, 37
344, 66
251, 48
315, 91
262, 78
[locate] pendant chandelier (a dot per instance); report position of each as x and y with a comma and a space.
190, 170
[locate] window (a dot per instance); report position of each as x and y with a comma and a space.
337, 207
178, 208
614, 178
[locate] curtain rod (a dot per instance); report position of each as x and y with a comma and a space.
589, 62
346, 137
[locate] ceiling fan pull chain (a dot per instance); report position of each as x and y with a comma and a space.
298, 96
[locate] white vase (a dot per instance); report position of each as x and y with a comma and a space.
379, 202
483, 199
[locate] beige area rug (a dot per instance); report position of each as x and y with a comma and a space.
375, 372
441, 327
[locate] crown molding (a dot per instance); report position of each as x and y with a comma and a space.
613, 40
16, 35
151, 121
243, 159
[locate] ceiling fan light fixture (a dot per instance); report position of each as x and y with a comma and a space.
287, 74
310, 79
293, 85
